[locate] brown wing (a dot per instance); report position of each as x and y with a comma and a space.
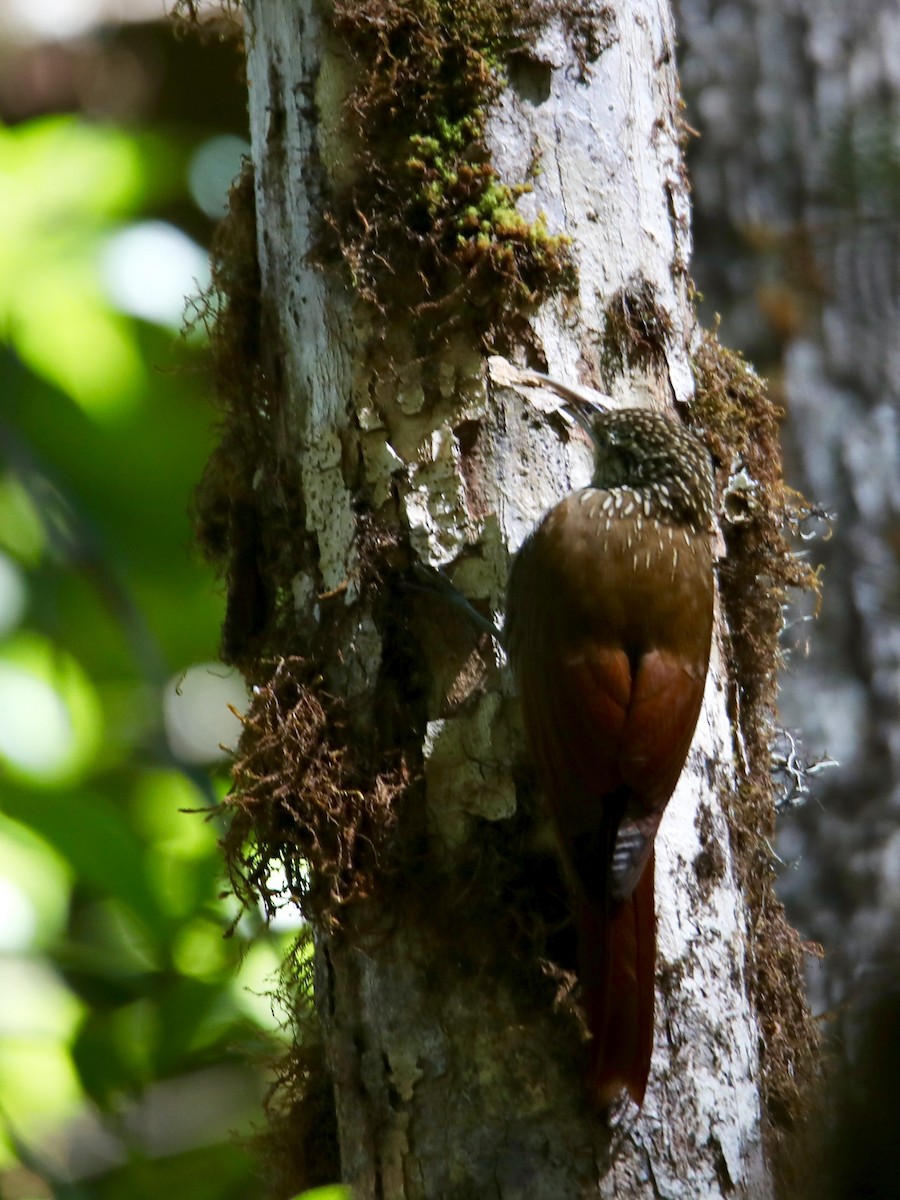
662, 714
575, 713
609, 750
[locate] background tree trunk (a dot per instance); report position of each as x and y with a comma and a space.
379, 435
797, 202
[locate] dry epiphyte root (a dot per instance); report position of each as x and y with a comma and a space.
305, 801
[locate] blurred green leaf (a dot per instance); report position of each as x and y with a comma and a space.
334, 1191
43, 876
21, 530
103, 1072
62, 183
92, 834
37, 1078
118, 990
186, 1011
53, 721
92, 353
57, 169
221, 1172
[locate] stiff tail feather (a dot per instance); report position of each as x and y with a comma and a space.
616, 964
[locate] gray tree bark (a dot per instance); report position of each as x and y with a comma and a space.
454, 1072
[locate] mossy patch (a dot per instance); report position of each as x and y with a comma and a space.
636, 330
426, 219
740, 423
249, 513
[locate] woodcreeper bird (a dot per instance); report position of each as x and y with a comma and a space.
609, 619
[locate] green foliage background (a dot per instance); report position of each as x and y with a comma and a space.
133, 1033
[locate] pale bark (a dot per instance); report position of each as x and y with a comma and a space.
448, 1083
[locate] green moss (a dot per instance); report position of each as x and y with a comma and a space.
426, 216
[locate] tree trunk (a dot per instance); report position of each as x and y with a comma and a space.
382, 759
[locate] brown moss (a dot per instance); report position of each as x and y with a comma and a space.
636, 330
221, 23
740, 423
300, 1144
709, 866
304, 800
229, 310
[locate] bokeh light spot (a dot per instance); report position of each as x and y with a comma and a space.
196, 712
213, 169
150, 269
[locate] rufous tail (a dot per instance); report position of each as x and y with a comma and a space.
617, 963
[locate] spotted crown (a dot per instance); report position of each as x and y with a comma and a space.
667, 468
